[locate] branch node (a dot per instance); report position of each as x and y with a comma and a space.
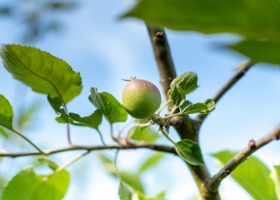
252, 144
159, 35
227, 172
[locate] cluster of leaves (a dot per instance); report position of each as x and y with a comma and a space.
49, 75
258, 25
44, 73
52, 76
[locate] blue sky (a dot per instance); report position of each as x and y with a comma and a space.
105, 50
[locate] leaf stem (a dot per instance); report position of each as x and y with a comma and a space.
68, 126
167, 136
62, 167
29, 141
112, 131
101, 137
163, 106
116, 166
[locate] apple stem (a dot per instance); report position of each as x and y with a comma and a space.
164, 105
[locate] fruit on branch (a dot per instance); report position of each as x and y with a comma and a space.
141, 98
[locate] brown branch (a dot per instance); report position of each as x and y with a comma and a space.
163, 57
139, 145
241, 70
214, 182
185, 127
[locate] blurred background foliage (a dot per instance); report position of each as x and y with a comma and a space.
256, 26
37, 17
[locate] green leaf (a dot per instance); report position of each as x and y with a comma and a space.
6, 113
189, 151
124, 192
150, 162
181, 86
249, 18
210, 106
159, 196
252, 175
28, 185
131, 179
4, 133
53, 186
93, 121
108, 164
276, 179
184, 105
259, 50
45, 160
206, 107
194, 108
109, 106
41, 71
96, 99
145, 134
57, 104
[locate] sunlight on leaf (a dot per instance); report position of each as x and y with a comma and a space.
6, 113
3, 133
276, 179
28, 185
124, 192
159, 196
150, 162
41, 71
145, 134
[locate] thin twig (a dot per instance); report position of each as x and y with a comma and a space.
230, 166
115, 163
101, 137
68, 128
29, 141
62, 167
139, 145
241, 70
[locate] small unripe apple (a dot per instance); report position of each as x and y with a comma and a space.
141, 98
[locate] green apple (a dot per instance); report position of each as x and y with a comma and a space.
141, 98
